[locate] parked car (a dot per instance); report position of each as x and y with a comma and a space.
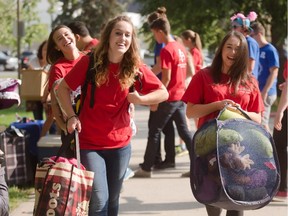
8, 62
25, 58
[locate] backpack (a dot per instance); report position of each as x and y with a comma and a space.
90, 78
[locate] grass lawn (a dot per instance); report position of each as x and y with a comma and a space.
18, 195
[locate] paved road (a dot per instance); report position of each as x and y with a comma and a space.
166, 193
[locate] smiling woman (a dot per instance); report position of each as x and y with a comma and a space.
226, 81
105, 130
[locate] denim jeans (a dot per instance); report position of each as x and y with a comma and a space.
166, 111
169, 141
268, 104
109, 167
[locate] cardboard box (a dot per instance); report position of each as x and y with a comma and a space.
48, 146
33, 84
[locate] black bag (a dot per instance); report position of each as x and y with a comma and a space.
234, 164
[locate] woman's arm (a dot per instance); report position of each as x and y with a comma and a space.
64, 100
283, 103
200, 110
156, 69
254, 116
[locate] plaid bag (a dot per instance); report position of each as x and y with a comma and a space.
62, 188
14, 145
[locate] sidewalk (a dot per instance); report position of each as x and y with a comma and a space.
166, 193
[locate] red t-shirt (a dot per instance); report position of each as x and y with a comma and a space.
173, 57
92, 44
60, 69
202, 90
197, 59
107, 124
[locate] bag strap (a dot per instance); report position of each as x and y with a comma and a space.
132, 87
77, 148
243, 113
90, 77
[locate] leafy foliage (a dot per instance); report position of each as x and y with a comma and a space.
94, 13
211, 19
34, 31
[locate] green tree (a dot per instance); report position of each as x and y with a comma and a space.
211, 19
94, 13
34, 30
7, 20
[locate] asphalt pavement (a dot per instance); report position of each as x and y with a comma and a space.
166, 193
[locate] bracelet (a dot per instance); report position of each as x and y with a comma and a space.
71, 117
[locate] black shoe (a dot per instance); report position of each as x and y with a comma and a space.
164, 165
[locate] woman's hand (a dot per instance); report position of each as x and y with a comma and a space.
154, 107
222, 104
72, 124
134, 97
278, 121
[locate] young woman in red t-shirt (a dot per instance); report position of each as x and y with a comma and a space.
226, 81
62, 55
192, 41
105, 131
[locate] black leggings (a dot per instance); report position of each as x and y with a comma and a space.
280, 139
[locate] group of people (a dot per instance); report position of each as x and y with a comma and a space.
104, 121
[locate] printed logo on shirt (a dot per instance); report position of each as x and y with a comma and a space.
263, 55
182, 59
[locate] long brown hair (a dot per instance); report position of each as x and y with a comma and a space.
130, 63
52, 53
238, 72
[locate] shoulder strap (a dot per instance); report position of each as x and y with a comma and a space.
137, 78
90, 77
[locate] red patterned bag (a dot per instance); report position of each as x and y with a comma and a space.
61, 188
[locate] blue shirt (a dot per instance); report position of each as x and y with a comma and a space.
253, 49
157, 49
268, 58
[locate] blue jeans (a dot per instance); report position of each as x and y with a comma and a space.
269, 101
165, 112
109, 167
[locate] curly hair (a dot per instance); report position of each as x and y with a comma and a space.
130, 63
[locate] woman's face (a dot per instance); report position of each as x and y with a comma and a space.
120, 38
229, 52
157, 35
186, 42
64, 39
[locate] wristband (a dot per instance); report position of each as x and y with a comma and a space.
71, 117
